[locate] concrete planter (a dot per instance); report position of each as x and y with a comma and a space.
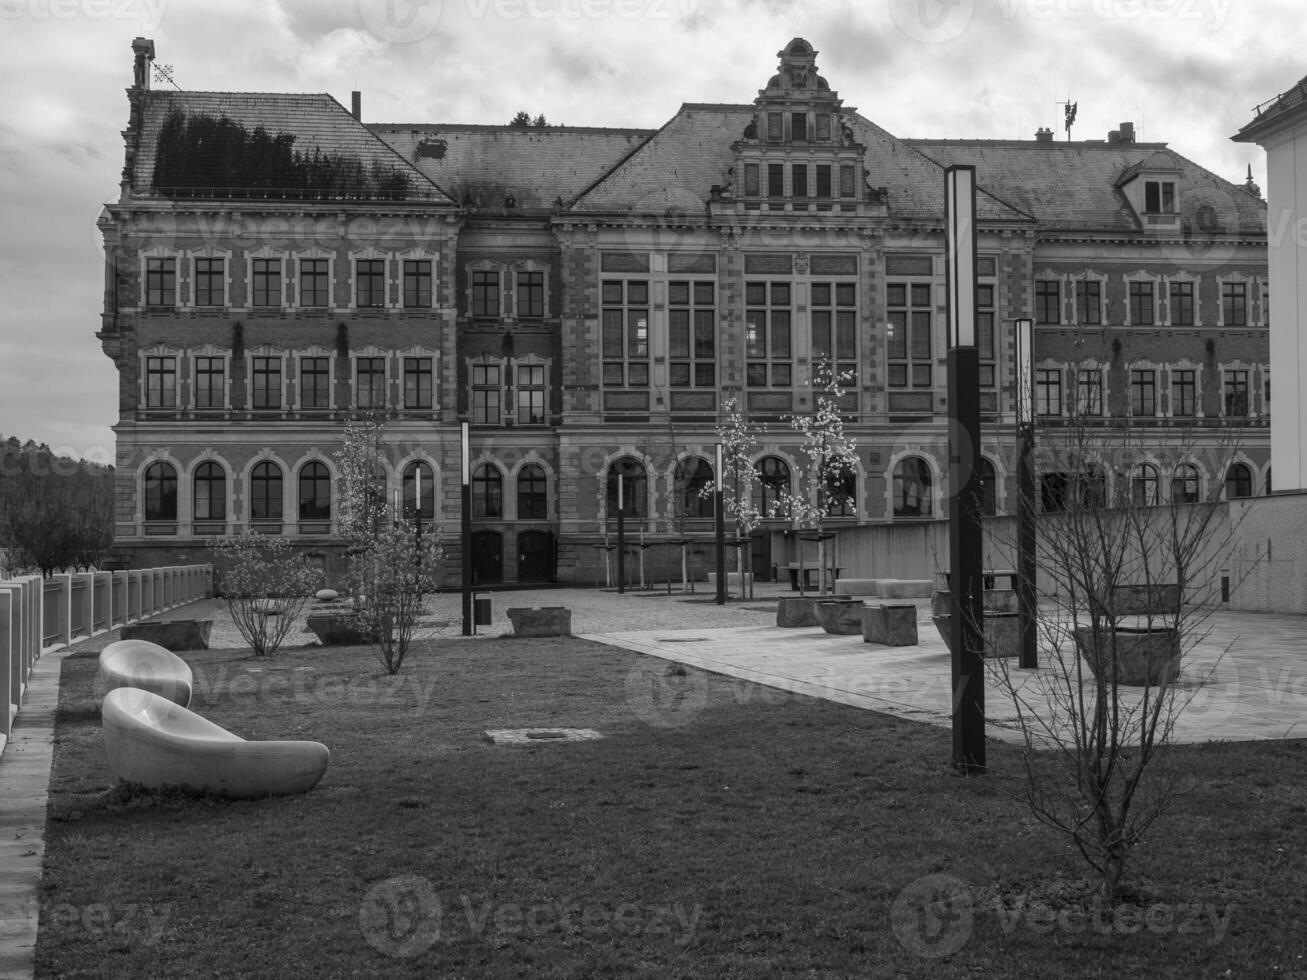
1142, 600
543, 621
841, 616
173, 635
796, 611
890, 625
1137, 656
995, 601
338, 629
1002, 633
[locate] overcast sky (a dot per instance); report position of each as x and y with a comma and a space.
1186, 72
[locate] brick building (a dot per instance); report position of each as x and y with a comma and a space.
590, 300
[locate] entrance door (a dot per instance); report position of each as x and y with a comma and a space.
487, 558
760, 555
535, 556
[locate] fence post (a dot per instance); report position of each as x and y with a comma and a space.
10, 650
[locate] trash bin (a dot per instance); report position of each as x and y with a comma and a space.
481, 612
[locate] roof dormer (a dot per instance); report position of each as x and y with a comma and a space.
1151, 187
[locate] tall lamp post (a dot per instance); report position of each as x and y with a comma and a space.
1026, 595
719, 516
966, 540
467, 532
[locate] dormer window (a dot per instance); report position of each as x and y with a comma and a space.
1159, 196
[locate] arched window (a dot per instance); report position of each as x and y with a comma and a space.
532, 493
160, 492
210, 494
693, 475
315, 492
1238, 481
773, 482
1092, 484
988, 481
635, 487
912, 488
487, 492
1144, 486
840, 493
1185, 484
419, 492
265, 492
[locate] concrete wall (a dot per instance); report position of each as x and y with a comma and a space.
1268, 569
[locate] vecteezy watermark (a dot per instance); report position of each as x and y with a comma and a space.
939, 21
135, 924
149, 13
400, 21
405, 21
935, 916
935, 21
405, 916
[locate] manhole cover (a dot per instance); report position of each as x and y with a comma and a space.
525, 736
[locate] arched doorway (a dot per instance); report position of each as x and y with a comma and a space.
487, 558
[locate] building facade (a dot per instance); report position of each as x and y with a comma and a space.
594, 301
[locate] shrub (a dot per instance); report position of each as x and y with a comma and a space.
265, 583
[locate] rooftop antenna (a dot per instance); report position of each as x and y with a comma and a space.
163, 73
1069, 114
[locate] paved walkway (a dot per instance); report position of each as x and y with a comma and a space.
1246, 680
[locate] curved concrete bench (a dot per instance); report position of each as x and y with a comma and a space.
147, 666
154, 742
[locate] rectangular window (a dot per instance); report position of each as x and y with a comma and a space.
1184, 393
1234, 304
265, 383
847, 181
1143, 392
775, 127
1048, 391
1142, 311
210, 282
775, 180
267, 282
315, 382
210, 383
1159, 197
370, 382
1236, 394
834, 321
161, 382
417, 382
985, 340
161, 282
799, 179
417, 284
1180, 302
486, 394
751, 184
767, 324
823, 180
370, 283
485, 293
692, 334
799, 127
1089, 302
625, 333
314, 283
910, 316
530, 295
1048, 301
530, 394
1089, 392
823, 127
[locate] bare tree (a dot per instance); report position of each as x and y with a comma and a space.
739, 443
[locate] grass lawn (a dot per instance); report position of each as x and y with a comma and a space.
718, 829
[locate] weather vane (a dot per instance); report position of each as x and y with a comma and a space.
163, 73
1069, 114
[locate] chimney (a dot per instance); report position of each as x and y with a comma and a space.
1127, 132
1043, 135
143, 48
356, 105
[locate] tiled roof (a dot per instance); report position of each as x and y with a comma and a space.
536, 166
317, 123
1072, 185
1269, 112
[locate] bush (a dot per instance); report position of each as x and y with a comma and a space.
265, 583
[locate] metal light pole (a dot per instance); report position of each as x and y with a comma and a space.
1026, 597
467, 533
719, 515
621, 535
966, 539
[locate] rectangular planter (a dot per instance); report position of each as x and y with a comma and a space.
1002, 633
889, 625
1137, 656
173, 635
542, 621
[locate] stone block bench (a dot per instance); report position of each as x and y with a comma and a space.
889, 624
542, 621
839, 615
